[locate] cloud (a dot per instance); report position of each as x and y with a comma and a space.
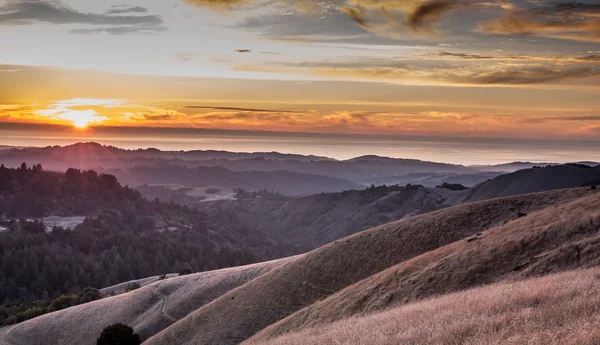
121, 30
568, 20
162, 117
239, 109
440, 72
563, 20
115, 9
464, 56
26, 12
429, 12
587, 118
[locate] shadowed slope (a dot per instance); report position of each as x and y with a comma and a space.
535, 180
243, 312
148, 310
558, 309
556, 238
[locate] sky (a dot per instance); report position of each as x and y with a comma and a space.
515, 69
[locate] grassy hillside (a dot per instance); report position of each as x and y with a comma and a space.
148, 309
552, 239
334, 267
558, 309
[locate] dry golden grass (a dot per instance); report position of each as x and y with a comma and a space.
557, 238
328, 271
559, 309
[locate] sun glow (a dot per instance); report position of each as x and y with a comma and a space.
80, 122
79, 112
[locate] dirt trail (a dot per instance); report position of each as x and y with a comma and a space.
164, 304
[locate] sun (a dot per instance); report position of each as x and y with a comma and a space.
81, 123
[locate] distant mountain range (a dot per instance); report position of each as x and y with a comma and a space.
284, 173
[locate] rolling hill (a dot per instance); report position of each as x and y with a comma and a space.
536, 180
315, 220
386, 267
149, 309
284, 182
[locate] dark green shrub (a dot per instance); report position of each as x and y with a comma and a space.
118, 334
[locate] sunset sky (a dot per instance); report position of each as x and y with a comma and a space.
526, 69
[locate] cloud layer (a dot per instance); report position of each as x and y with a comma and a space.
565, 20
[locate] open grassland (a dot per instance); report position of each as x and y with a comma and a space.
558, 309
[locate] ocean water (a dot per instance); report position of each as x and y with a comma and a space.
466, 151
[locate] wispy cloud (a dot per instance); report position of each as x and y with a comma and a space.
120, 9
463, 69
240, 109
25, 12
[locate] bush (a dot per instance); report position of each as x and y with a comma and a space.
185, 272
452, 186
63, 302
132, 287
89, 295
118, 334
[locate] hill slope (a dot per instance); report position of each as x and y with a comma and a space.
331, 268
316, 220
555, 238
558, 309
536, 180
148, 309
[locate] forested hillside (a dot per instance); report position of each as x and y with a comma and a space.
318, 219
124, 236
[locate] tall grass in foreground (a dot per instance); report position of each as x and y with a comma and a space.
559, 309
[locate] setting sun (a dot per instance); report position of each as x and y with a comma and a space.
81, 122
79, 112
